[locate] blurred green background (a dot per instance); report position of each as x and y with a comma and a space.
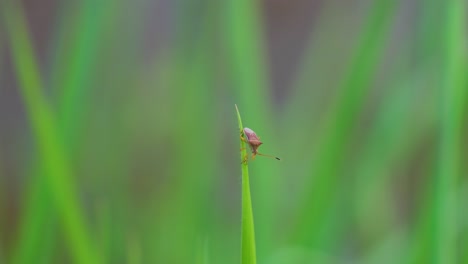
119, 139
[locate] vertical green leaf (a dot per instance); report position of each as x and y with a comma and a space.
247, 231
247, 73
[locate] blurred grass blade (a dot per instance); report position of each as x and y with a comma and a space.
247, 233
77, 62
37, 228
452, 99
435, 238
248, 74
389, 141
322, 65
184, 213
320, 203
73, 66
244, 42
59, 174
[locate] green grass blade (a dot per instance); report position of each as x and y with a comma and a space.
320, 204
73, 68
36, 231
184, 213
244, 44
427, 51
435, 239
386, 145
73, 64
248, 75
453, 92
59, 174
247, 232
78, 64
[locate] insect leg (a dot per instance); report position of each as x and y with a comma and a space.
243, 138
246, 158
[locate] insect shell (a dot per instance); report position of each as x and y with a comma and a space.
253, 139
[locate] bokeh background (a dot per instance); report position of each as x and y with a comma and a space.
119, 140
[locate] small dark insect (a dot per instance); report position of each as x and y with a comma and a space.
254, 142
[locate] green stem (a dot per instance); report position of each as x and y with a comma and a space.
248, 233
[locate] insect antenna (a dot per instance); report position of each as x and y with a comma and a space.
268, 156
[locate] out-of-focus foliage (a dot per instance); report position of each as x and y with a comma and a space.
119, 138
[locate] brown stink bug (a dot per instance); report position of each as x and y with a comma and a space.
254, 142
